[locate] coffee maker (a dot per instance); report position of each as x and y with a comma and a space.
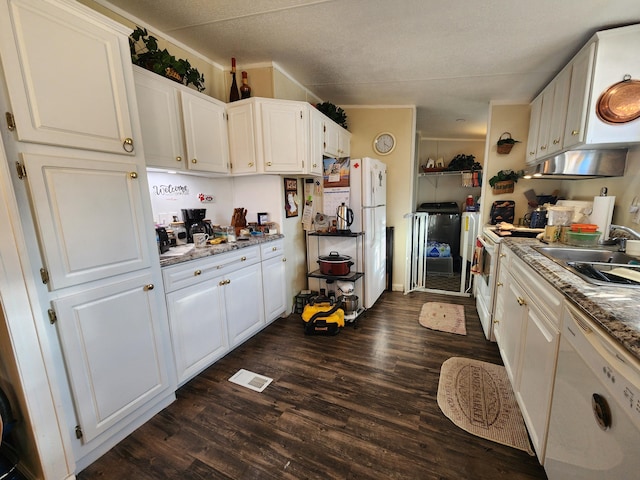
194, 221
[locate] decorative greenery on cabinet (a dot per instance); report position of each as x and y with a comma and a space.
161, 61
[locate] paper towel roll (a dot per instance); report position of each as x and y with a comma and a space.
602, 214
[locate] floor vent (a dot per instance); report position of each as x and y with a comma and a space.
250, 380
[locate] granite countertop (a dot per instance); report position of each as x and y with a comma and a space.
175, 255
615, 309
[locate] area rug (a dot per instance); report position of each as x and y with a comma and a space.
477, 397
445, 317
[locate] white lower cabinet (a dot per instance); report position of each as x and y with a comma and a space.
214, 304
273, 279
528, 335
113, 351
198, 329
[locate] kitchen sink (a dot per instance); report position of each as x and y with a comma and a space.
591, 255
598, 266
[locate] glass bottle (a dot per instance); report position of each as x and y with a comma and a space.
234, 94
245, 89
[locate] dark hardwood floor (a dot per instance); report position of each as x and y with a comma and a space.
359, 405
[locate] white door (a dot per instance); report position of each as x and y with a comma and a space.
89, 217
205, 130
112, 350
243, 303
374, 182
198, 331
54, 101
274, 286
242, 142
284, 134
159, 107
375, 258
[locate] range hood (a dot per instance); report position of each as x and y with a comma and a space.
581, 164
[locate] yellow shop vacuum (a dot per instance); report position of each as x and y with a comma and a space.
321, 316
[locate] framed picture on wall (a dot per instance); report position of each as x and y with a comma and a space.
291, 197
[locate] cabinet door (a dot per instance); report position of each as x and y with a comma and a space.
559, 114
534, 129
112, 351
331, 139
316, 142
65, 72
537, 374
579, 97
344, 146
205, 130
284, 134
274, 288
513, 319
545, 121
245, 316
159, 108
242, 141
198, 331
89, 217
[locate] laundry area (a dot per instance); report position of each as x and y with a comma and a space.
445, 221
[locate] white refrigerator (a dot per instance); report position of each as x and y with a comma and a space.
368, 200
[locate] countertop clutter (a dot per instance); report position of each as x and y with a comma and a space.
615, 309
183, 253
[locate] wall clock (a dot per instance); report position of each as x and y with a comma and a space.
384, 143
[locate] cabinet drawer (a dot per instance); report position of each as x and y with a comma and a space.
547, 298
195, 271
272, 249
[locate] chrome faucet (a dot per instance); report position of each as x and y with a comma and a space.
622, 241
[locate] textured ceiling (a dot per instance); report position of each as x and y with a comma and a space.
450, 58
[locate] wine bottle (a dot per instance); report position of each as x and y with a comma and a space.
234, 94
245, 89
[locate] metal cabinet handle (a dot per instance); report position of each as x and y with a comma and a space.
503, 255
221, 282
499, 284
227, 282
315, 165
178, 158
148, 287
197, 272
127, 145
133, 175
268, 164
521, 301
496, 321
556, 141
194, 160
575, 132
532, 153
284, 259
251, 164
543, 147
242, 259
273, 249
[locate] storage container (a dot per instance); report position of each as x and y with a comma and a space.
580, 239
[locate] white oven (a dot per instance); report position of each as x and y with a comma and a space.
485, 282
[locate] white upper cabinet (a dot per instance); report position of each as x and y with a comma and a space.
242, 137
181, 128
582, 65
284, 136
160, 120
205, 130
337, 140
607, 59
53, 101
89, 216
268, 136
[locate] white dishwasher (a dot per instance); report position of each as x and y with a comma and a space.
594, 429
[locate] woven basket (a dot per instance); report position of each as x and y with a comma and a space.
504, 148
506, 186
